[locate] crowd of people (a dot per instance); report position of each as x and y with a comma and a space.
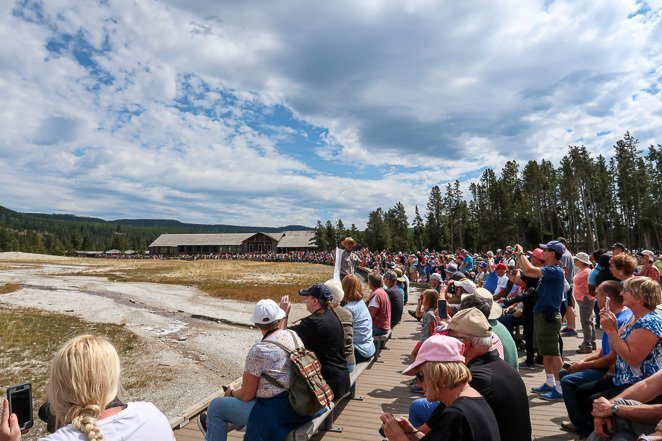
465, 363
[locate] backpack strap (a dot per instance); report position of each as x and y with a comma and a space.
289, 352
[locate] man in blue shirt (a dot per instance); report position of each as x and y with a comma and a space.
467, 262
547, 313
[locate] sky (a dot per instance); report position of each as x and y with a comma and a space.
269, 113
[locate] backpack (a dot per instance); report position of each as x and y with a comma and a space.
308, 391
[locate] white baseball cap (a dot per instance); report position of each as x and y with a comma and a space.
267, 311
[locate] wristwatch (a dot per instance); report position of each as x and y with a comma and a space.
613, 409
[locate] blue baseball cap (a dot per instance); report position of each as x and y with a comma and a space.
553, 245
320, 291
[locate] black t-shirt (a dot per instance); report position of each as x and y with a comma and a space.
505, 393
323, 334
467, 419
397, 304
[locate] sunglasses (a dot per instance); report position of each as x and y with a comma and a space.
419, 377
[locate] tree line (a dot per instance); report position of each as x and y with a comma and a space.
591, 201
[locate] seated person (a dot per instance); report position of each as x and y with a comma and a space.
83, 384
364, 346
463, 414
624, 417
379, 305
596, 365
322, 333
395, 296
346, 319
638, 348
259, 404
495, 379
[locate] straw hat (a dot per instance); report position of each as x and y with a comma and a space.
348, 240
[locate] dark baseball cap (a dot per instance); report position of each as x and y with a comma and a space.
618, 245
320, 291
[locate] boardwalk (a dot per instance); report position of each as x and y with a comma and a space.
386, 390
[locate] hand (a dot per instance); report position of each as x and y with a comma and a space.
575, 367
228, 391
602, 427
601, 408
518, 250
9, 430
285, 304
608, 321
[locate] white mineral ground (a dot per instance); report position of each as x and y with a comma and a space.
198, 354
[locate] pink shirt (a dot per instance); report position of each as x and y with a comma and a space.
580, 284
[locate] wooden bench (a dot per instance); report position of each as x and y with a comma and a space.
380, 343
324, 421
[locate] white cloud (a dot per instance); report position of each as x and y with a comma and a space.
180, 109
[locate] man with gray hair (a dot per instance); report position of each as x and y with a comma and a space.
346, 319
395, 295
496, 380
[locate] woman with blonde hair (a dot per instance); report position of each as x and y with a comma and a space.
82, 388
463, 414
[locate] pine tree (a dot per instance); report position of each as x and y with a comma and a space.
419, 230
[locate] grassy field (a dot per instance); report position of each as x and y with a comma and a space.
239, 280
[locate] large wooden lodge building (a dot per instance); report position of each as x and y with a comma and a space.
178, 244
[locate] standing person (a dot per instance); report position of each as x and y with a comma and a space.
491, 277
618, 248
348, 259
463, 414
568, 265
259, 405
395, 296
364, 346
547, 313
648, 268
585, 301
379, 306
322, 333
467, 262
82, 388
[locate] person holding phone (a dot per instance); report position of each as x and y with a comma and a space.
84, 380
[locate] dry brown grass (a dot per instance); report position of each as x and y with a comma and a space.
9, 287
240, 280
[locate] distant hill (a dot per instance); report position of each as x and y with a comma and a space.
64, 233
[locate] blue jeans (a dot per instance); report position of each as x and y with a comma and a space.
569, 385
226, 410
420, 410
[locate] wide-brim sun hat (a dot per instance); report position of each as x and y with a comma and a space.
347, 240
495, 309
583, 258
439, 348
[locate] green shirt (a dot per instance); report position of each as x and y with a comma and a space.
509, 346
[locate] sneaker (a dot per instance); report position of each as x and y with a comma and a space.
567, 332
413, 314
202, 423
584, 350
553, 395
527, 366
543, 388
568, 426
594, 346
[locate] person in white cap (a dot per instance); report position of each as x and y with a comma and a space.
585, 301
265, 402
648, 268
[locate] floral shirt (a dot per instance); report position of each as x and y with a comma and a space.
626, 374
268, 358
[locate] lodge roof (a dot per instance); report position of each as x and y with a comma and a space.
286, 239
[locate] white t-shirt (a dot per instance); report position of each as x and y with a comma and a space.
501, 283
140, 421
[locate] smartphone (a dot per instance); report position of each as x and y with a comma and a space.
566, 366
20, 403
441, 308
607, 300
381, 431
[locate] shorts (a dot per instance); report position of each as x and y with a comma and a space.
546, 333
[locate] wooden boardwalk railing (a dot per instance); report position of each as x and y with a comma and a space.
385, 389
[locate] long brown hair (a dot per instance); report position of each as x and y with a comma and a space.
430, 298
352, 287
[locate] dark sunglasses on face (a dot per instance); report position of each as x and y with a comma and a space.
419, 377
